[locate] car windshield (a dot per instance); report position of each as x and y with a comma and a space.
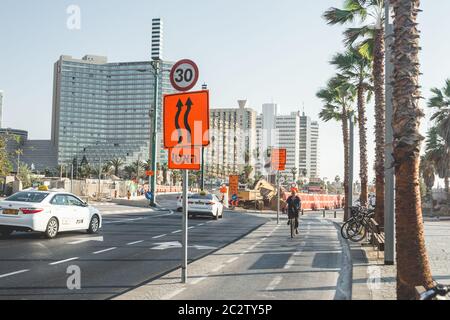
34, 197
201, 196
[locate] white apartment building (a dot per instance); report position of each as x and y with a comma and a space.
1, 108
233, 140
295, 132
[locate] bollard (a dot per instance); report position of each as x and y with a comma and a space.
303, 211
335, 214
324, 213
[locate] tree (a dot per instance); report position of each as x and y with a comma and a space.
116, 163
5, 164
129, 171
413, 268
248, 169
428, 173
24, 175
440, 102
370, 34
337, 98
438, 153
355, 68
294, 174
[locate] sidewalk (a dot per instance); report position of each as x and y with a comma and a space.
266, 264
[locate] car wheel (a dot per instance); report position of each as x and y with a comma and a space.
94, 225
52, 228
5, 232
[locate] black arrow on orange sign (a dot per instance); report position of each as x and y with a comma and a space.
177, 120
189, 105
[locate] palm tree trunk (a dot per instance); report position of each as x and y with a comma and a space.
413, 268
380, 124
362, 120
345, 136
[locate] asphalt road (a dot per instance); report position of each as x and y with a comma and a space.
134, 246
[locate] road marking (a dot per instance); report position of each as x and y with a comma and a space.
105, 250
160, 236
217, 268
201, 224
13, 273
198, 280
173, 294
289, 263
82, 240
62, 261
276, 281
177, 231
191, 227
135, 242
232, 260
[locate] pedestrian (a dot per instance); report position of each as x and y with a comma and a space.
294, 205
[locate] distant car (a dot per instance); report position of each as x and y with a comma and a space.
203, 205
49, 212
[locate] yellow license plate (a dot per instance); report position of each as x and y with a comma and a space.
11, 211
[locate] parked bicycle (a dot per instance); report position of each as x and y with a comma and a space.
357, 226
438, 292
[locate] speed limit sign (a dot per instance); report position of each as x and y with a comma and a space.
184, 75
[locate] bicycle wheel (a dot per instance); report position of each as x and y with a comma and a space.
344, 227
292, 225
357, 232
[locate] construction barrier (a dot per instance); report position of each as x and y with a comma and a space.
318, 201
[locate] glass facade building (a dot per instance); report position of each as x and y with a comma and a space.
102, 110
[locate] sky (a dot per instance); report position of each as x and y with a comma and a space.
259, 50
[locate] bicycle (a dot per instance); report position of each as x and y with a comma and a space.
438, 292
293, 223
355, 228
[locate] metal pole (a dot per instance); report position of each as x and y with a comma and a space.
203, 169
389, 196
278, 197
351, 163
71, 179
152, 179
99, 177
185, 227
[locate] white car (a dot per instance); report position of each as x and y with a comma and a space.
48, 212
203, 205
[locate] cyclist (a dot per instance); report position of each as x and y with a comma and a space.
294, 204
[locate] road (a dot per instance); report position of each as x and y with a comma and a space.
134, 246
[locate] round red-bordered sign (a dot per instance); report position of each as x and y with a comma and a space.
184, 75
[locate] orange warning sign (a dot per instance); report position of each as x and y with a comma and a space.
185, 158
233, 185
186, 119
278, 159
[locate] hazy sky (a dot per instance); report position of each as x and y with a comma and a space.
260, 50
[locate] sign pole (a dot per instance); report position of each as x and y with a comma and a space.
278, 197
185, 227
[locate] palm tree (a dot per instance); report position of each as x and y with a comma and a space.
355, 68
428, 173
371, 35
294, 174
441, 101
248, 169
129, 171
413, 268
116, 163
438, 152
338, 97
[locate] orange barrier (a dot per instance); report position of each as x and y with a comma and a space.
318, 201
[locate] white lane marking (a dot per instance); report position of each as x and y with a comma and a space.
217, 268
289, 263
232, 260
135, 242
82, 240
105, 250
160, 236
191, 227
273, 284
173, 294
201, 224
13, 273
198, 280
177, 231
62, 261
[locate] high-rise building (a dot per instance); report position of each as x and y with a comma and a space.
295, 132
233, 140
101, 110
157, 39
